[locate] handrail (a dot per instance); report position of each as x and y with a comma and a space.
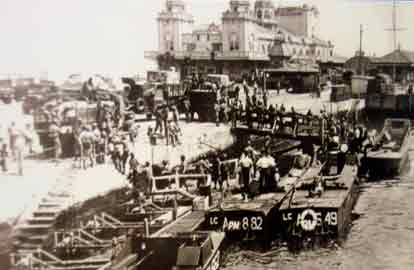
48, 255
111, 218
94, 238
176, 178
103, 221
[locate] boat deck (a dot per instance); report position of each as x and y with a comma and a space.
328, 214
186, 224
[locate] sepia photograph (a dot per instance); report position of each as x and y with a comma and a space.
207, 135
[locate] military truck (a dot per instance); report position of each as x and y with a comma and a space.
163, 88
202, 100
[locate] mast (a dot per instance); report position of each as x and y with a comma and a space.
394, 30
361, 31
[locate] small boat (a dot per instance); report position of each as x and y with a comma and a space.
256, 220
177, 246
390, 149
320, 208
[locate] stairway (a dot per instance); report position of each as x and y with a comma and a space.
32, 233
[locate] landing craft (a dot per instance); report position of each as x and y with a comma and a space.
320, 207
389, 151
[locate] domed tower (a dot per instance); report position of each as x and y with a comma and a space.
265, 13
173, 22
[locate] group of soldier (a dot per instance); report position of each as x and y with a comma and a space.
166, 124
15, 143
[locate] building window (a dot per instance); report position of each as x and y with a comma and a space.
259, 14
294, 51
234, 42
331, 53
191, 47
216, 47
208, 37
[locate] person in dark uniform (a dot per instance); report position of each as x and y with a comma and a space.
271, 115
249, 116
224, 173
294, 121
216, 172
158, 121
164, 118
260, 115
188, 114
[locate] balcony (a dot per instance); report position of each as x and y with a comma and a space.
194, 55
206, 55
242, 55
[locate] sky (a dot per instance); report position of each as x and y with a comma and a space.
61, 37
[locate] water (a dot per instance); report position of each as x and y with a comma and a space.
381, 238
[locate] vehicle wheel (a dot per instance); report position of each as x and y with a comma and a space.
201, 117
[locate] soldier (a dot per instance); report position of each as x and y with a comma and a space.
282, 109
265, 98
158, 120
164, 118
182, 168
294, 121
3, 149
224, 172
86, 138
13, 134
124, 156
246, 165
54, 132
271, 115
20, 145
188, 114
96, 133
173, 131
216, 172
217, 111
266, 165
233, 113
165, 170
175, 114
3, 156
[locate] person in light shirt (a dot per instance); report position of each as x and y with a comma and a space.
266, 165
246, 165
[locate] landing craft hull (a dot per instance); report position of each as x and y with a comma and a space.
388, 160
382, 166
246, 221
325, 217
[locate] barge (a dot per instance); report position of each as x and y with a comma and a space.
256, 221
321, 208
389, 152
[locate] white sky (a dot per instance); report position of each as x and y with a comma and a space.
62, 37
